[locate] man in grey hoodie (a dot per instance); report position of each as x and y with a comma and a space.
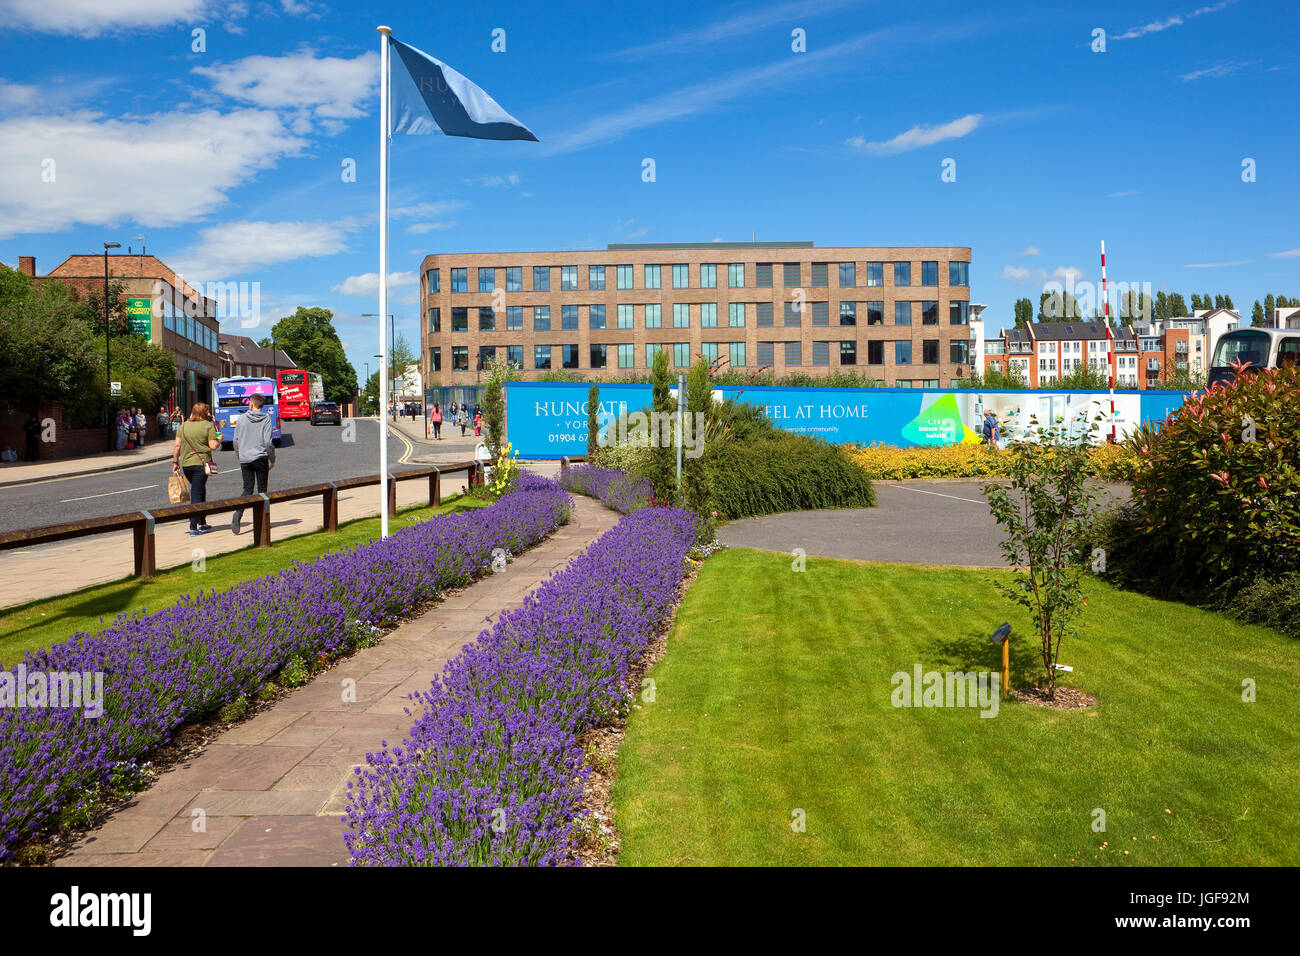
255, 449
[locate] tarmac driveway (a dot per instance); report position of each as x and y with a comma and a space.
918, 522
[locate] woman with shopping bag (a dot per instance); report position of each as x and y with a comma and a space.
192, 450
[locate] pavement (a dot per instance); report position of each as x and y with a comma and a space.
26, 472
271, 790
916, 522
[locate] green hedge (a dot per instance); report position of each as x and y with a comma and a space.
783, 473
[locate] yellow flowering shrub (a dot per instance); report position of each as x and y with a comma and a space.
970, 460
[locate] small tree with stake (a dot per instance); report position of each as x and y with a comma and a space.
593, 426
1044, 512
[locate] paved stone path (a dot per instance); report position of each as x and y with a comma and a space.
272, 789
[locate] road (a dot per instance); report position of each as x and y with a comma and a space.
307, 455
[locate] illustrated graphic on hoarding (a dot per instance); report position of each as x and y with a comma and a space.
139, 317
940, 423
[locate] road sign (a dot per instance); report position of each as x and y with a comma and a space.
115, 388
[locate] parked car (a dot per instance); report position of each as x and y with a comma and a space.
326, 412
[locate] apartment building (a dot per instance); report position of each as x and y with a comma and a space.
898, 314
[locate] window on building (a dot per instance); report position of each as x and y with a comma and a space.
435, 359
929, 273
651, 350
848, 353
596, 277
435, 280
818, 278
708, 277
459, 319
626, 355
793, 354
902, 273
736, 354
487, 319
569, 356
595, 316
848, 275
681, 275
569, 318
929, 313
765, 350
514, 278
541, 318
821, 354
959, 273
515, 356
568, 278
875, 273
959, 313
435, 320
875, 313
681, 315
597, 356
651, 277
654, 318
763, 275
821, 313
460, 358
487, 279
736, 275
625, 317
459, 280
681, 355
762, 315
902, 353
624, 277
902, 313
848, 313
541, 278
514, 318
930, 352
959, 352
708, 315
541, 356
487, 354
793, 314
790, 275
709, 351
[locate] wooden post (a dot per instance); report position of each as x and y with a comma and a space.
330, 508
1006, 665
144, 548
262, 523
435, 489
392, 496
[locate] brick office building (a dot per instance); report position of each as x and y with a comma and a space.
897, 314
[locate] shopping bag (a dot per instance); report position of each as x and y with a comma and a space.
178, 489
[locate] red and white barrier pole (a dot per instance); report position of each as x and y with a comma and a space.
1110, 341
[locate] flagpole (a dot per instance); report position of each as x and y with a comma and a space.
384, 124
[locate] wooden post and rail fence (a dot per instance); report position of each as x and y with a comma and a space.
143, 523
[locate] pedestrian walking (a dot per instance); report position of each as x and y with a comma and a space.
141, 426
164, 421
192, 450
478, 422
255, 449
436, 418
31, 429
462, 419
451, 411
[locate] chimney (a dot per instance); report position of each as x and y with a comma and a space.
27, 266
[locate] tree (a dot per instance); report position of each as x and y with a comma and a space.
1024, 312
1227, 302
370, 395
1218, 302
47, 346
663, 465
994, 379
1176, 305
1269, 305
1205, 299
1083, 377
400, 356
1162, 306
494, 405
1257, 315
1196, 302
309, 336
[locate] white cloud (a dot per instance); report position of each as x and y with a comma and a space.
919, 136
424, 209
1216, 265
740, 25
17, 97
1288, 254
327, 89
1028, 251
1067, 274
638, 233
418, 228
1122, 193
512, 179
165, 170
1218, 70
88, 18
1017, 273
238, 248
368, 282
1157, 26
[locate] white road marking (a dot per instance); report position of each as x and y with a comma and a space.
921, 491
106, 494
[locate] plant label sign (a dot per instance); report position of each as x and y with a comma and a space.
1063, 667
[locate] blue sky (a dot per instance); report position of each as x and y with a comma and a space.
230, 160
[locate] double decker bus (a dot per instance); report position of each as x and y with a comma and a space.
230, 400
299, 390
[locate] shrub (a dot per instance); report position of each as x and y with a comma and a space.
1271, 601
618, 490
164, 669
492, 771
788, 472
971, 460
1219, 492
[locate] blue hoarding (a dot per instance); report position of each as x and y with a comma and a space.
549, 419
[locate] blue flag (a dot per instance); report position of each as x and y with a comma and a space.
429, 95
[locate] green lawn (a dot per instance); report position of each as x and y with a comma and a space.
775, 695
48, 621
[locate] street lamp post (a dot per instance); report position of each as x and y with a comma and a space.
108, 372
